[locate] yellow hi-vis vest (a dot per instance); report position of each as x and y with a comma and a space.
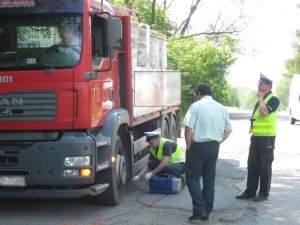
264, 125
175, 157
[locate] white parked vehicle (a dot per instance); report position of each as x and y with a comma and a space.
294, 99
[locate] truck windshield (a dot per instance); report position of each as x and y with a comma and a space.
39, 42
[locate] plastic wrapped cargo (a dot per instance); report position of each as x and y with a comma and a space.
154, 87
149, 49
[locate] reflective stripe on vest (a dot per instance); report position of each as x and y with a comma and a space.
175, 157
264, 125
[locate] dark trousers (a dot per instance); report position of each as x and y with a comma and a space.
176, 169
201, 161
261, 156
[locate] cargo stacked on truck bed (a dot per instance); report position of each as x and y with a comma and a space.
80, 82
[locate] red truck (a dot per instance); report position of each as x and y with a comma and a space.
80, 83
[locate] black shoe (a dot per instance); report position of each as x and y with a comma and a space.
183, 183
260, 198
198, 217
245, 195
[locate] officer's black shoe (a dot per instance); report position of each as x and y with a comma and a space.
198, 217
260, 198
245, 195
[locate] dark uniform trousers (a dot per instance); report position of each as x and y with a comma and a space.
201, 161
261, 156
176, 169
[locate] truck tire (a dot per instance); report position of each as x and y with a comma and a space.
165, 129
292, 120
173, 129
115, 177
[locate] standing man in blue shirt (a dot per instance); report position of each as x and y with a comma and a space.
207, 124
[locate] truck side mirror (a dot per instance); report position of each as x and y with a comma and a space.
113, 33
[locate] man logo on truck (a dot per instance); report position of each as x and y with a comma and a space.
11, 101
5, 112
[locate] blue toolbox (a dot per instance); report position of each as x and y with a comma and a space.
163, 184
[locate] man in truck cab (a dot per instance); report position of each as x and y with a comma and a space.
70, 41
165, 157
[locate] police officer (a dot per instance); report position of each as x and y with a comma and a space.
165, 157
261, 150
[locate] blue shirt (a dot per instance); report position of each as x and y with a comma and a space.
208, 119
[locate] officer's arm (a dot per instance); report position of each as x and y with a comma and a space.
263, 108
261, 105
162, 165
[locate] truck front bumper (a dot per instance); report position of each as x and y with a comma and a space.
42, 164
53, 193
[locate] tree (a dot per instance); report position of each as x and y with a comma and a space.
235, 96
150, 13
166, 5
202, 61
292, 66
250, 99
161, 21
282, 91
125, 3
153, 12
185, 24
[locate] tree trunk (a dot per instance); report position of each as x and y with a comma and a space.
165, 5
153, 12
185, 24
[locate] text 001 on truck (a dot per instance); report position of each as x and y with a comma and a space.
81, 80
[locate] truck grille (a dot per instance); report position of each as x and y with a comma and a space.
28, 106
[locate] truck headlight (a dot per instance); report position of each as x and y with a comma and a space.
78, 161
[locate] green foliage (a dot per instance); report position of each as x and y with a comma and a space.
250, 99
235, 98
144, 9
162, 22
202, 61
282, 91
293, 67
118, 2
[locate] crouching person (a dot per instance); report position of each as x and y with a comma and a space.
165, 157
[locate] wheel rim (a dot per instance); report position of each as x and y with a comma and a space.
121, 170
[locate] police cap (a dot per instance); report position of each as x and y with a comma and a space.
264, 79
151, 135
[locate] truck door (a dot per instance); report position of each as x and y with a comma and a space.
101, 65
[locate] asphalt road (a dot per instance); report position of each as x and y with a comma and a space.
142, 208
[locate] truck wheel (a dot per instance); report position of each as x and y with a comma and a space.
165, 129
115, 177
292, 120
173, 130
